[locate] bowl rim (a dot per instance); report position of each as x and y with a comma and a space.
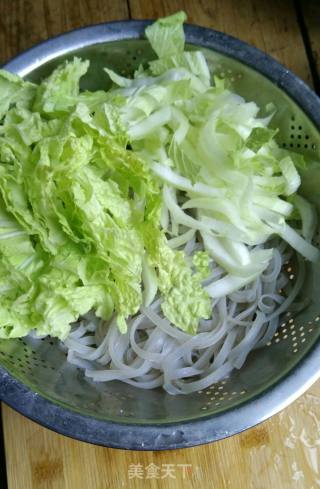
212, 427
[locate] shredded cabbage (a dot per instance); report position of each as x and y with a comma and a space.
99, 191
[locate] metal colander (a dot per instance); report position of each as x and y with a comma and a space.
35, 378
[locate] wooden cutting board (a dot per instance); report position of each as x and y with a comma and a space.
282, 453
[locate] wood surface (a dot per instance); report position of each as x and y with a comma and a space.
267, 24
310, 18
24, 23
282, 453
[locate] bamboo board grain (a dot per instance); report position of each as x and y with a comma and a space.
282, 453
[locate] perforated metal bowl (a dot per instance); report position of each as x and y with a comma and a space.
35, 378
